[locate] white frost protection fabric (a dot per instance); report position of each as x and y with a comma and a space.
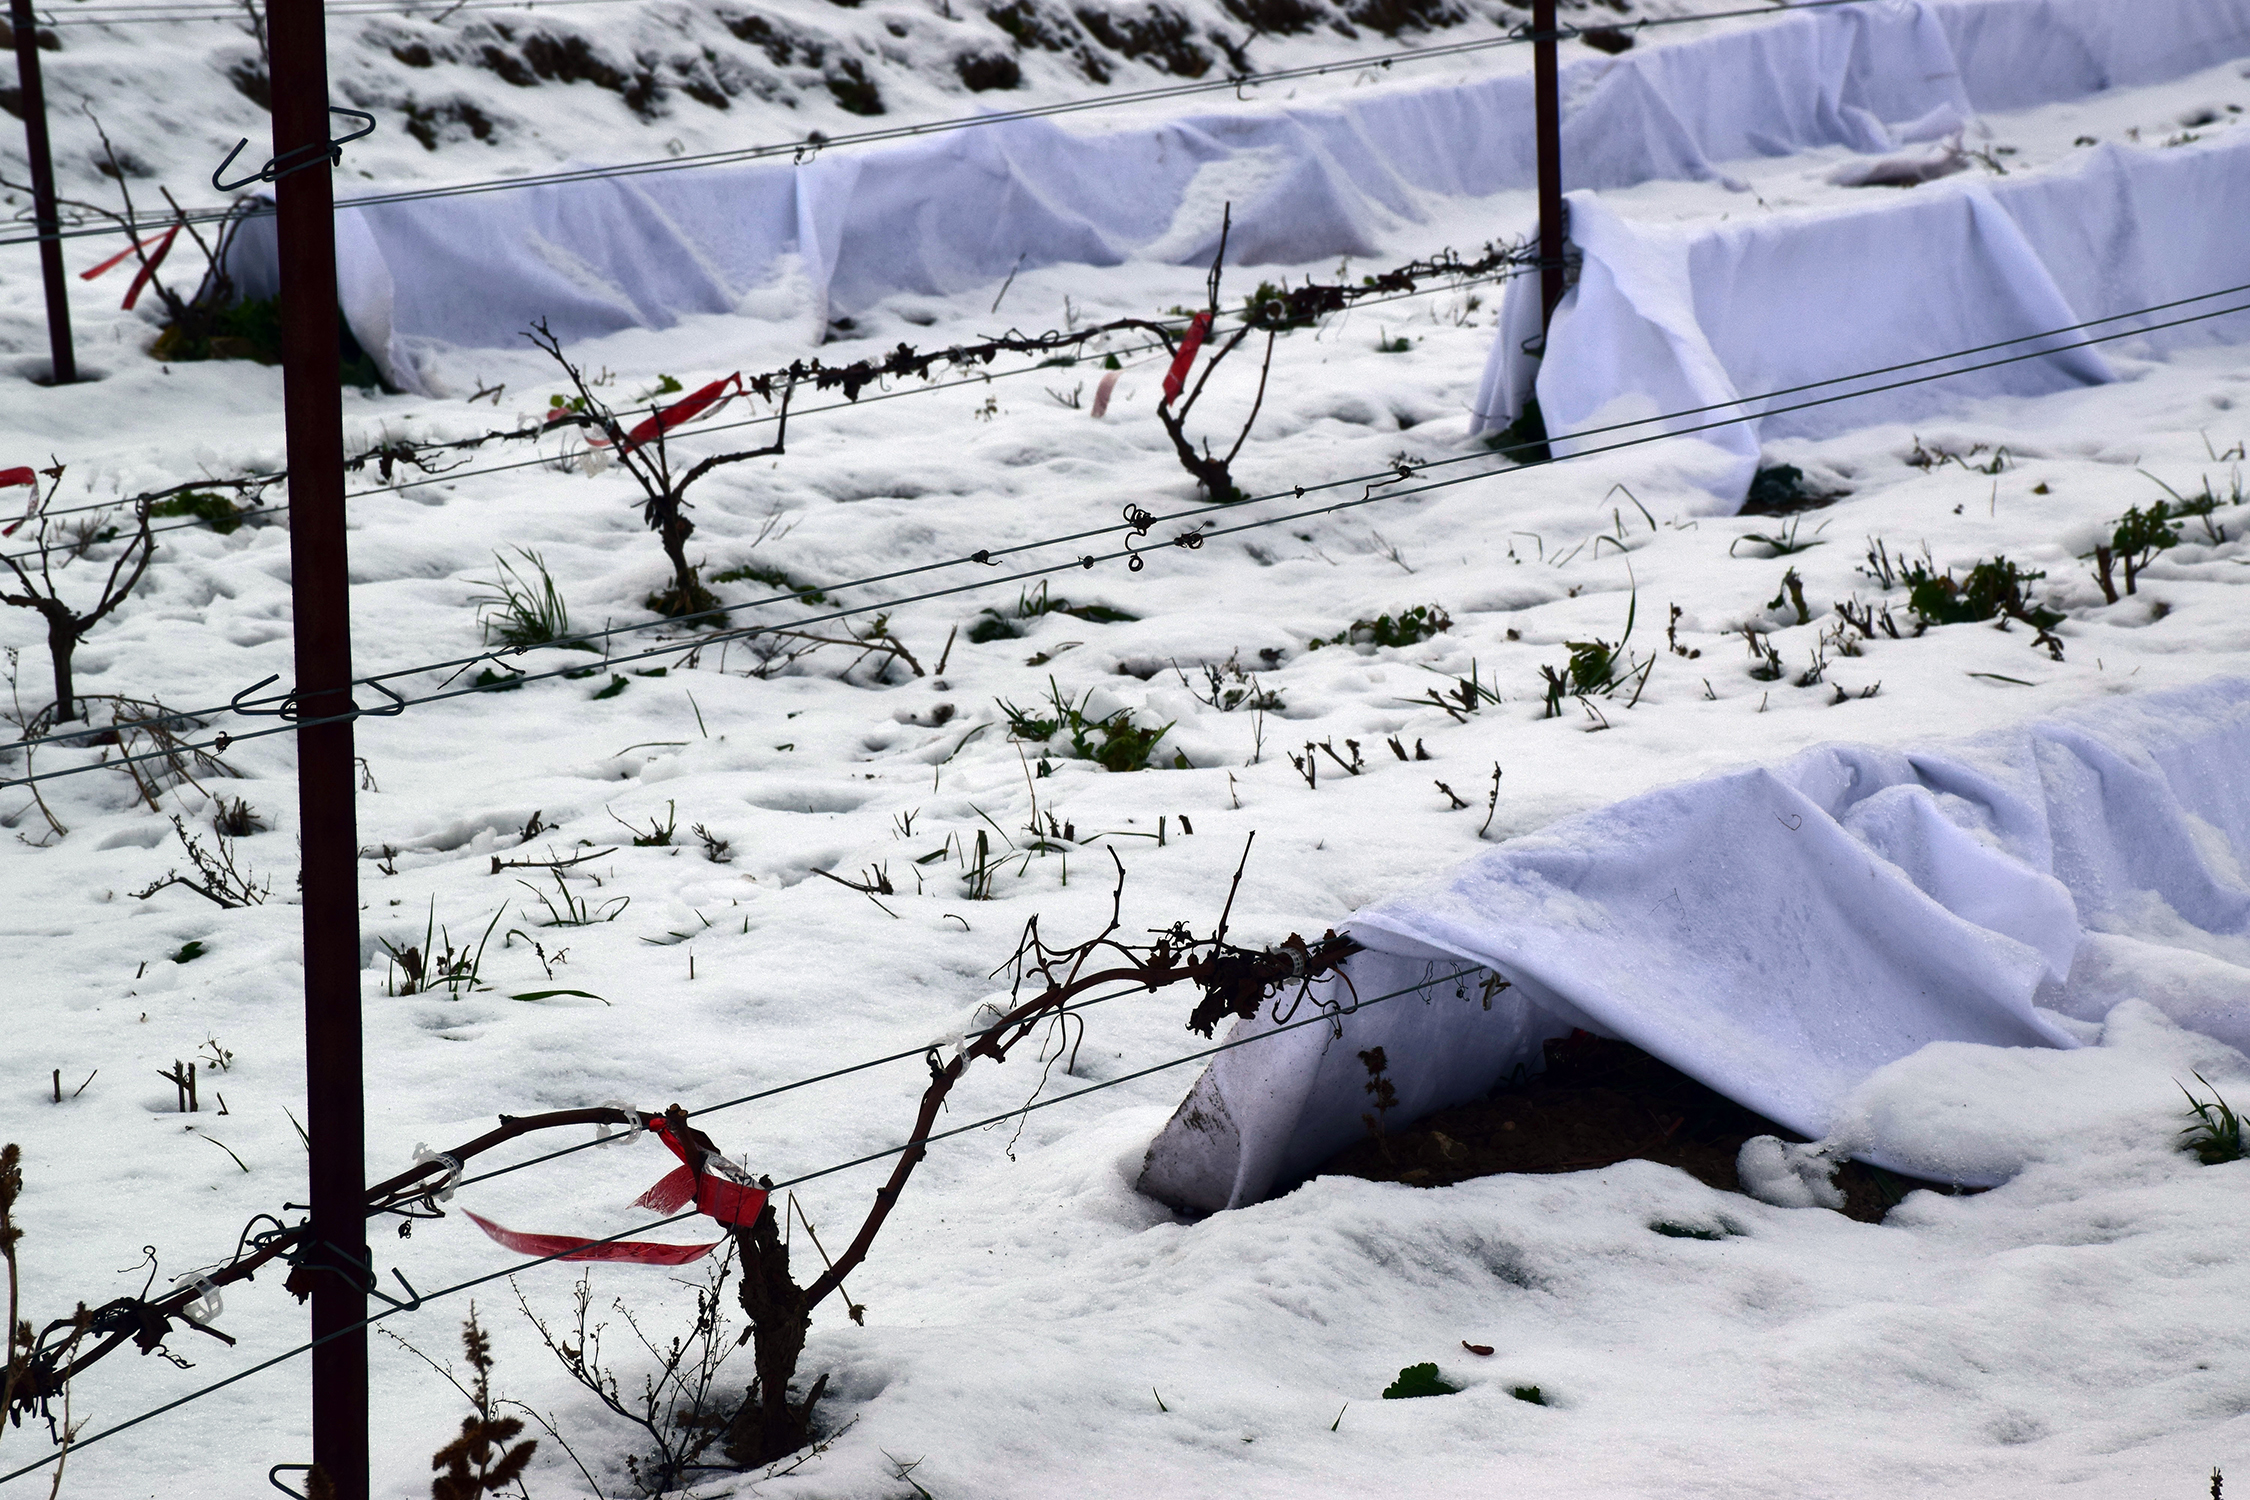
841, 232
1783, 934
1707, 321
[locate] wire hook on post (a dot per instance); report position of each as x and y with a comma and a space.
361, 1274
278, 167
273, 1477
261, 713
398, 704
288, 705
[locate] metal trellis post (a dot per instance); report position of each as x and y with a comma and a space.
305, 221
1547, 103
33, 100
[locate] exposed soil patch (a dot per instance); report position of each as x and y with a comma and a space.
1390, 17
1161, 38
450, 122
1278, 17
985, 71
1598, 1103
250, 81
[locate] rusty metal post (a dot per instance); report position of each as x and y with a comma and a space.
1547, 104
34, 101
306, 227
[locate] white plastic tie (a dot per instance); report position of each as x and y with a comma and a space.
207, 1308
443, 1193
606, 1134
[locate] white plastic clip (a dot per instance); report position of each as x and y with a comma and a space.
205, 1310
452, 1164
734, 1171
606, 1134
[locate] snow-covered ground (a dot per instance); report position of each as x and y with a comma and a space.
1033, 1324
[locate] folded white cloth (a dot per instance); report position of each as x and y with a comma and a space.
1783, 934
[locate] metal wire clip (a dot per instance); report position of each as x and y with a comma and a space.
288, 708
278, 167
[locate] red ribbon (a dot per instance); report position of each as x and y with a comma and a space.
728, 1202
571, 1247
113, 260
9, 479
1176, 377
686, 410
148, 267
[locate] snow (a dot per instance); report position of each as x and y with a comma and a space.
1791, 1174
2075, 1330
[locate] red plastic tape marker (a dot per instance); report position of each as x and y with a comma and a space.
148, 268
685, 410
1176, 377
574, 1247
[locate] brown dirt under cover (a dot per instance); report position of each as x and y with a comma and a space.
1598, 1102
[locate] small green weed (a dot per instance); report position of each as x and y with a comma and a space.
2205, 503
567, 910
2135, 541
617, 685
1675, 1231
1592, 668
659, 835
220, 513
1937, 456
1765, 656
772, 578
1403, 629
1992, 589
1387, 345
1792, 593
1780, 543
1419, 1380
1468, 694
1122, 745
493, 682
1229, 685
1003, 625
435, 962
1595, 666
190, 951
2216, 1135
1530, 1393
521, 610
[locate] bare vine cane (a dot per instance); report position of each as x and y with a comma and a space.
1234, 980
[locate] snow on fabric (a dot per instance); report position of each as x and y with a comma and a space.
596, 256
1672, 320
1784, 935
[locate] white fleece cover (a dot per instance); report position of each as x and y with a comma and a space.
1785, 934
1711, 320
594, 257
